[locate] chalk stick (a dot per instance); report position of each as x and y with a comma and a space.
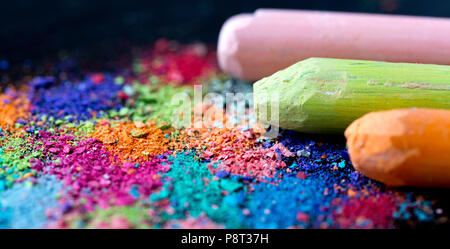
402, 147
323, 95
253, 46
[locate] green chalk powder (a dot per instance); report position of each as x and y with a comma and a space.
193, 190
15, 158
149, 102
84, 128
137, 216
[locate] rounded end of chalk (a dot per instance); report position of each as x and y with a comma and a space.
228, 44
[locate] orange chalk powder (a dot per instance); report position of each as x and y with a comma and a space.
132, 142
212, 142
12, 109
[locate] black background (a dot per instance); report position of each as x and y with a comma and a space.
32, 28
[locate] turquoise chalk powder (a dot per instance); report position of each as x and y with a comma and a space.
193, 190
25, 205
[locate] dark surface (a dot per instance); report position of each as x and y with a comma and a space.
30, 28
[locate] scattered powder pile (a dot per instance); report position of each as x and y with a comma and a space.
367, 212
224, 84
13, 108
192, 191
147, 103
327, 160
134, 142
26, 206
15, 158
201, 222
90, 177
257, 162
135, 215
234, 151
292, 202
73, 100
377, 211
175, 63
211, 143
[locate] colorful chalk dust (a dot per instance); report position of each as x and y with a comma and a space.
98, 151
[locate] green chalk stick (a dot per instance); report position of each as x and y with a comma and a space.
322, 95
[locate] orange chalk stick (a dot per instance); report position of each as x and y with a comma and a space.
402, 147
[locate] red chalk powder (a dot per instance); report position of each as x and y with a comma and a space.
367, 212
256, 162
177, 64
214, 142
201, 222
233, 150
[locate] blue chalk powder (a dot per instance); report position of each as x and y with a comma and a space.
73, 100
24, 205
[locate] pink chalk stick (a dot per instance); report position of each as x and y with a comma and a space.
253, 46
